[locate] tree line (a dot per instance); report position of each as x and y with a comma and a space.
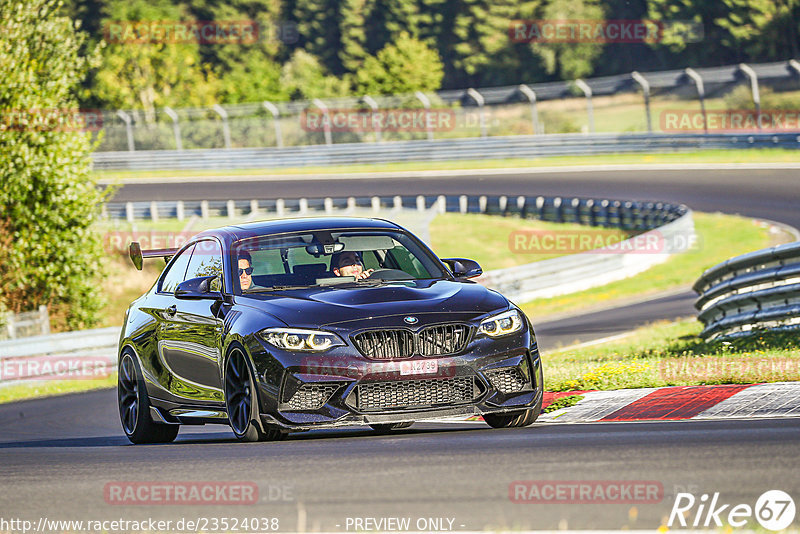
328, 48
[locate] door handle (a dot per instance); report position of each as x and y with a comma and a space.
172, 310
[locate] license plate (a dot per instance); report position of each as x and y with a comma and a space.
419, 367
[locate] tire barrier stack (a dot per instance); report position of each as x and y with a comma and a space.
755, 291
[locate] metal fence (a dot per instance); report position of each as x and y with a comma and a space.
632, 102
757, 290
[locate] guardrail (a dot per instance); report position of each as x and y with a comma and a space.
569, 274
757, 290
70, 355
518, 146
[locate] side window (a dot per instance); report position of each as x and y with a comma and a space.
176, 271
206, 261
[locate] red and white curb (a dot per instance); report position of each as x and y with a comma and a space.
682, 402
674, 403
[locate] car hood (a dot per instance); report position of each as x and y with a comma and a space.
314, 307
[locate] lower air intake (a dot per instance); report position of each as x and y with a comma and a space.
415, 393
507, 379
310, 397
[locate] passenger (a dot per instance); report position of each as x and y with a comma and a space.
349, 264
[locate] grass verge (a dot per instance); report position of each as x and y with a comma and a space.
49, 388
487, 238
563, 402
766, 155
672, 354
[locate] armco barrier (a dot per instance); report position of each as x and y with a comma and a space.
518, 146
568, 274
54, 355
757, 290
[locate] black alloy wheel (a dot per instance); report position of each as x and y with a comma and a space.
241, 402
134, 406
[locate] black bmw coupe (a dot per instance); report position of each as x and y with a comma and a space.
290, 325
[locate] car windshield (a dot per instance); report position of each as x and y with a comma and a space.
331, 258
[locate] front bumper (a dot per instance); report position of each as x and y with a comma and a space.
342, 388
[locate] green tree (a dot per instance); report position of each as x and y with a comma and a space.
304, 77
404, 67
352, 28
248, 71
318, 24
48, 201
143, 73
570, 60
765, 29
717, 44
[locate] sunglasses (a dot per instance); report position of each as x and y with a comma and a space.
249, 271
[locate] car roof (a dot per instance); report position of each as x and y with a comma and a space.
278, 226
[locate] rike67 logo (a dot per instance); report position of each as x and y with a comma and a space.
774, 510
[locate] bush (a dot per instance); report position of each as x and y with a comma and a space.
48, 201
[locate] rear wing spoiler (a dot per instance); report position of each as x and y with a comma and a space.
138, 255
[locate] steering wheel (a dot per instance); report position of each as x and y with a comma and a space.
389, 274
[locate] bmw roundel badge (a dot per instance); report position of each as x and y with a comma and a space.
410, 319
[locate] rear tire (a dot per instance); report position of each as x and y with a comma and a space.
385, 428
134, 406
241, 402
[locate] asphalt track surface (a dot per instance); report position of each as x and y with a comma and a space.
59, 454
768, 193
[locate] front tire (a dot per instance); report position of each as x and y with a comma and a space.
385, 428
241, 402
515, 420
134, 406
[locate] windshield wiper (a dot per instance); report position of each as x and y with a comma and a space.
277, 288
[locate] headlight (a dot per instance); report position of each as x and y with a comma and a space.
298, 339
501, 324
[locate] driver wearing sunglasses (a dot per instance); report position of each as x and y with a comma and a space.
245, 270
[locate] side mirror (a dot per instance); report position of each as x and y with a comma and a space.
197, 288
463, 268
